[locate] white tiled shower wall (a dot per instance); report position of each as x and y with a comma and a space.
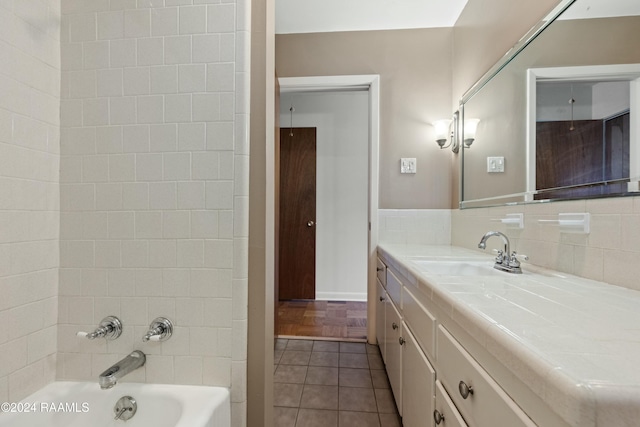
29, 194
153, 183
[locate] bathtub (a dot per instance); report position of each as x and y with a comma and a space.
83, 404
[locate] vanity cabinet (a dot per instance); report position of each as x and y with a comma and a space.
434, 379
418, 380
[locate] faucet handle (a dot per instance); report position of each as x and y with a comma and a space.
515, 259
499, 255
109, 328
160, 329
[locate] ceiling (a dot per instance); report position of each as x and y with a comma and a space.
588, 9
319, 16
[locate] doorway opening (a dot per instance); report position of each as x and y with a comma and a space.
343, 112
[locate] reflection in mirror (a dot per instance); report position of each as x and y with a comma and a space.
588, 33
579, 130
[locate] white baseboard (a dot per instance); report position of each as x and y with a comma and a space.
341, 296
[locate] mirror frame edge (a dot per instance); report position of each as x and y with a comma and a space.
491, 73
517, 48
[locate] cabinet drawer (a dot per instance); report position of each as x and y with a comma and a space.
447, 413
381, 271
394, 289
486, 404
422, 323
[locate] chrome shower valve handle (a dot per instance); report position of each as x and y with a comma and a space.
109, 328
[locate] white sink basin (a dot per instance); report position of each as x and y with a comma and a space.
457, 268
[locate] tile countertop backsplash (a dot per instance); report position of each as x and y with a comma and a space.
577, 340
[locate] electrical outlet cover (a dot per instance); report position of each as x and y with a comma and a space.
495, 164
408, 165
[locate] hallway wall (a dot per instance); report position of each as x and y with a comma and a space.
415, 90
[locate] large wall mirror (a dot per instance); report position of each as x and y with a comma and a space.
559, 118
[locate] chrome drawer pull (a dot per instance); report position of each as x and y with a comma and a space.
401, 341
381, 299
394, 325
379, 269
465, 390
438, 417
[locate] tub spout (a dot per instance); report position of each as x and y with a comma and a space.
110, 377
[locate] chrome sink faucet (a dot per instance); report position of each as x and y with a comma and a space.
505, 260
110, 377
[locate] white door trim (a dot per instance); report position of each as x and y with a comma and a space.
370, 82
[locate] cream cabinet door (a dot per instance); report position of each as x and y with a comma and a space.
393, 349
381, 302
418, 382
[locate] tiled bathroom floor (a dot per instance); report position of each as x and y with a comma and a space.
331, 384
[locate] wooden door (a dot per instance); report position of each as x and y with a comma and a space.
297, 237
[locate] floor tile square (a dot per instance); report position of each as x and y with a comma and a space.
290, 374
287, 395
379, 378
295, 357
385, 401
390, 420
353, 360
284, 417
358, 419
352, 347
320, 375
375, 361
351, 377
357, 399
324, 359
300, 345
319, 397
317, 418
372, 349
281, 344
330, 346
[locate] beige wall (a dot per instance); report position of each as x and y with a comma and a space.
415, 90
261, 305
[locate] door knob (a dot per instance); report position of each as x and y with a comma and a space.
310, 223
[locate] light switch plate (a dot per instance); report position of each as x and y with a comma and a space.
495, 164
408, 165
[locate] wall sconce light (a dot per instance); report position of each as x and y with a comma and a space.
470, 128
445, 130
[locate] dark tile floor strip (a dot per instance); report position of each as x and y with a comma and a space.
331, 384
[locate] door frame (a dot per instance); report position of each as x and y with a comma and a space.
370, 82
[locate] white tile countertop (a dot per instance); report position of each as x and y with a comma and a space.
575, 342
